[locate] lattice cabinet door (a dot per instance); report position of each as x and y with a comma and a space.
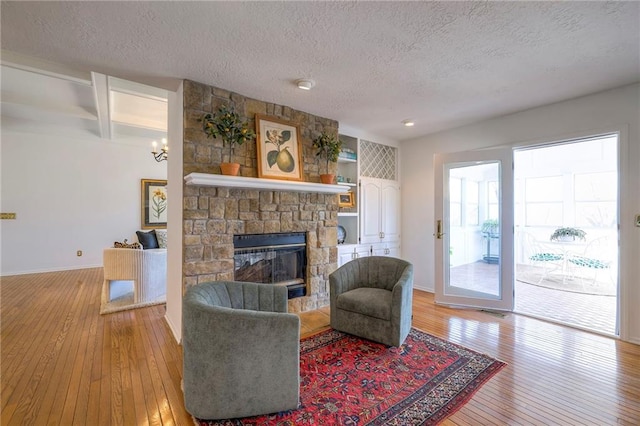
378, 161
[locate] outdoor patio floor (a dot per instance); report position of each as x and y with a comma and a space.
567, 305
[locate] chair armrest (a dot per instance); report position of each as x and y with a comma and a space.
402, 294
122, 264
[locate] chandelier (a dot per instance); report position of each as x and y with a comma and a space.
162, 155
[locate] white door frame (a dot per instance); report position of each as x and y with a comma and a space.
442, 164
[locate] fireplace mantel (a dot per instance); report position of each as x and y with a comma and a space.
206, 179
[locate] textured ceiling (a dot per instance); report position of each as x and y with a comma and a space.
442, 64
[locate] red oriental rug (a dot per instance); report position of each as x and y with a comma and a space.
346, 380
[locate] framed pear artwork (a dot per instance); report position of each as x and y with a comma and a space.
279, 149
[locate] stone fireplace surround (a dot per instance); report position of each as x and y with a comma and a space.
213, 214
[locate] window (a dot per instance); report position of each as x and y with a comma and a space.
455, 201
493, 193
544, 201
595, 197
472, 198
463, 202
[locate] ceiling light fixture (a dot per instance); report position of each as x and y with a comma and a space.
163, 154
408, 123
305, 84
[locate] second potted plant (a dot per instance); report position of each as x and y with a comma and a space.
327, 146
568, 234
227, 124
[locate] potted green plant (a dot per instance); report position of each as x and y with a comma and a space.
227, 124
490, 227
568, 234
327, 146
490, 230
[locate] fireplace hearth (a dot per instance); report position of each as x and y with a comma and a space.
275, 258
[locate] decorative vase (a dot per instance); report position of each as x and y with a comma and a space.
327, 178
230, 169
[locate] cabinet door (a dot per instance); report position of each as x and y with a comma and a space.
394, 251
345, 254
379, 250
370, 214
363, 250
386, 249
390, 211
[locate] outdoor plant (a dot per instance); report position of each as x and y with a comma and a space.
228, 125
562, 233
327, 146
490, 226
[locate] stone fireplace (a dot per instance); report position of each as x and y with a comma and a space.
216, 213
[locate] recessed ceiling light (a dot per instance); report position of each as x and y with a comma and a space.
408, 123
305, 84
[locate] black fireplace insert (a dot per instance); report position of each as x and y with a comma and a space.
279, 259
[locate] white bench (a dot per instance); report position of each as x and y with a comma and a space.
146, 268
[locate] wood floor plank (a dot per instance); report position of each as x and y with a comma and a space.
91, 346
64, 363
31, 399
50, 406
15, 347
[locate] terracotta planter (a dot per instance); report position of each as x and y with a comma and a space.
327, 178
230, 169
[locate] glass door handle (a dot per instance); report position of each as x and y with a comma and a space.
439, 232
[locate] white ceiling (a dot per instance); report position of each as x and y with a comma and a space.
442, 64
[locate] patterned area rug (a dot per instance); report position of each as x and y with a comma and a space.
346, 380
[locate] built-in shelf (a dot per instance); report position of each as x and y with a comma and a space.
347, 160
350, 184
206, 179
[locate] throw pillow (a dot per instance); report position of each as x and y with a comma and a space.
161, 235
126, 245
147, 239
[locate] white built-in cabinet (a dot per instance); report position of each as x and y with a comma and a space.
380, 205
373, 223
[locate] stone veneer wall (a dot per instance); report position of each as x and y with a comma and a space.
212, 215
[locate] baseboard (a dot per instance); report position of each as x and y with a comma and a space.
42, 271
634, 341
423, 288
173, 329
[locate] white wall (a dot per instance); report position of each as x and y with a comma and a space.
71, 191
612, 110
175, 185
345, 129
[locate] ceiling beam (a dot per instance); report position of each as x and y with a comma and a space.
101, 92
32, 107
42, 67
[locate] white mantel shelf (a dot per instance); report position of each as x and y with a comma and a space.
242, 182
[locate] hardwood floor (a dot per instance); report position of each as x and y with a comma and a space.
63, 363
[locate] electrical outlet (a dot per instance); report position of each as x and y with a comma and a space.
79, 253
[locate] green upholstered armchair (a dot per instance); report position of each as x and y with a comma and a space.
371, 297
241, 350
